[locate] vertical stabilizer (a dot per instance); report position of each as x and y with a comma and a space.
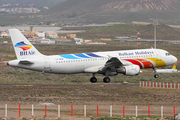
23, 48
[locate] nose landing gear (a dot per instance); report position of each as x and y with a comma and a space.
156, 75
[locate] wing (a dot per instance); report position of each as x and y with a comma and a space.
112, 64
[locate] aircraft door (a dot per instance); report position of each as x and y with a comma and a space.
158, 55
46, 64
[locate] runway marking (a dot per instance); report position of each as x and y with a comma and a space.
24, 85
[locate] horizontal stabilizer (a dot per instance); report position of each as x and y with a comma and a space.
25, 62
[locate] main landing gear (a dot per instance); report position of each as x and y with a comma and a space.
156, 75
106, 80
94, 79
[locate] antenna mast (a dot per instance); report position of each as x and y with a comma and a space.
155, 23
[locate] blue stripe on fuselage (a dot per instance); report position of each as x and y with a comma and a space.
69, 56
92, 55
81, 55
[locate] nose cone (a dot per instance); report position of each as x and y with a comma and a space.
175, 59
170, 60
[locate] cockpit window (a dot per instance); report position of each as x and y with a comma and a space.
167, 54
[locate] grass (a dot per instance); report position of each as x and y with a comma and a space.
32, 77
10, 57
128, 118
146, 32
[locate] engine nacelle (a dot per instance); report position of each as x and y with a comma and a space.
130, 70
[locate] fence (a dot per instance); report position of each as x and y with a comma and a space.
92, 110
159, 85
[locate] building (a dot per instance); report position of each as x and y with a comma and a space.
44, 41
40, 34
4, 34
122, 37
89, 42
51, 34
78, 41
33, 32
105, 39
86, 41
63, 40
71, 35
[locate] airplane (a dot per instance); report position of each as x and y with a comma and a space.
173, 70
110, 63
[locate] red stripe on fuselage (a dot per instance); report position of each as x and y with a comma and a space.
134, 62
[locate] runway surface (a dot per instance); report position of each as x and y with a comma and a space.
118, 84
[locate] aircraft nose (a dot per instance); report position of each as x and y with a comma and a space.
174, 59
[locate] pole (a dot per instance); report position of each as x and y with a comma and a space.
97, 111
71, 110
136, 110
45, 110
58, 110
5, 110
149, 111
155, 23
19, 110
161, 111
32, 110
111, 111
123, 111
84, 110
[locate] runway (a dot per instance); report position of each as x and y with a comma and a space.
111, 84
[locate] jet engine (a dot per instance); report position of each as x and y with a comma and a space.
130, 70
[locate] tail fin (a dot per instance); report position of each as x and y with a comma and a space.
23, 48
174, 66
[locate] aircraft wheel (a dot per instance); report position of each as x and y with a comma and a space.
156, 76
93, 80
106, 80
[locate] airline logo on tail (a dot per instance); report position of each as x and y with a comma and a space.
23, 46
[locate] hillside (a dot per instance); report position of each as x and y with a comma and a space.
36, 3
101, 11
164, 32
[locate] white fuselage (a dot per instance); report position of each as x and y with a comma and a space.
80, 63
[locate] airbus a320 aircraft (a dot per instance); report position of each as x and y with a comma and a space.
111, 63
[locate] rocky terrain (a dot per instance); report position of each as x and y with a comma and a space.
136, 5
102, 11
